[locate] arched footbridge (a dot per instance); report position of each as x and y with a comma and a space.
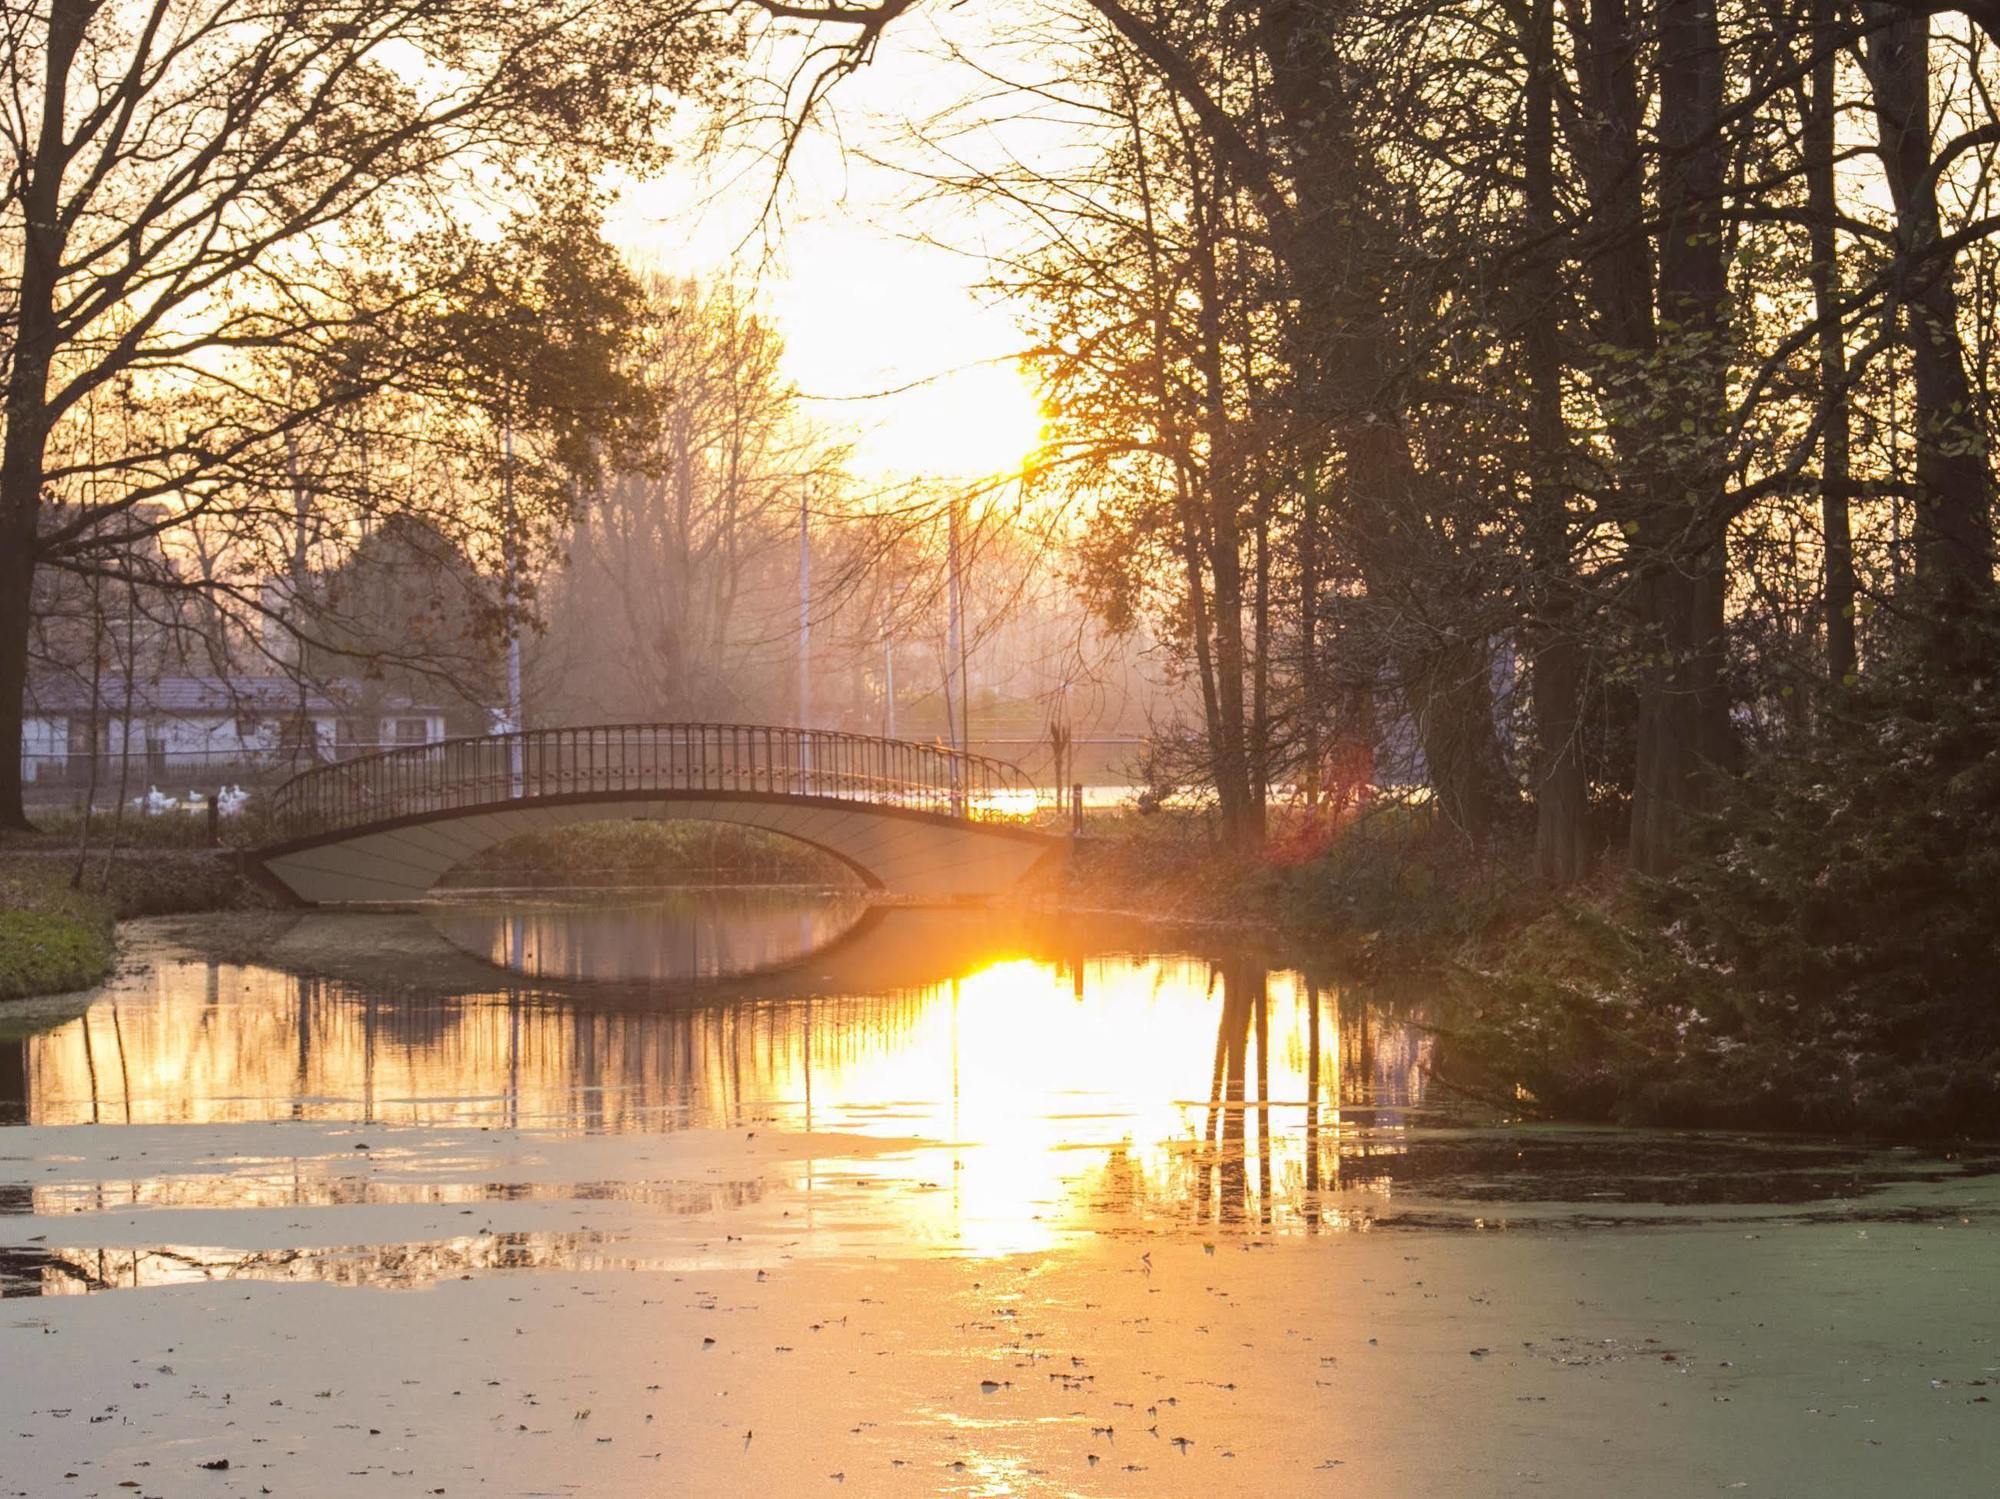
910, 819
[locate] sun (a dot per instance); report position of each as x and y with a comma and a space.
980, 422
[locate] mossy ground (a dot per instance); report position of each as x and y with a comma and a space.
57, 933
52, 939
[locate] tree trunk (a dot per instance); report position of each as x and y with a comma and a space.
1680, 541
1837, 539
1309, 703
1954, 487
1222, 534
1562, 803
28, 420
1228, 741
1562, 841
1260, 680
1334, 246
1665, 730
1453, 702
17, 582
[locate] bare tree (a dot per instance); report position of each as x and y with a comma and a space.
194, 186
686, 554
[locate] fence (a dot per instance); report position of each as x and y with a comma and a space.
643, 758
67, 780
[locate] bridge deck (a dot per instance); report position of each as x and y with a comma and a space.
903, 815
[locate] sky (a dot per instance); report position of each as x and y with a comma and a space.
875, 292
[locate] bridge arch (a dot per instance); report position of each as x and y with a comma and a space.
909, 819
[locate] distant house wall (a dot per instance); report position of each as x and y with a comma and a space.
43, 740
199, 729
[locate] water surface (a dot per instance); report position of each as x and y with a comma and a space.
763, 1111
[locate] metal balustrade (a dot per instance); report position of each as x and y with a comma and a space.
645, 759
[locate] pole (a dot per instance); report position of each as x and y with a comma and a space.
805, 634
513, 600
888, 688
805, 617
954, 651
958, 610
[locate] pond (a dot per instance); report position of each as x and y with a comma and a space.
776, 1187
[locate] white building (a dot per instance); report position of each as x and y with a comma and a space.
206, 729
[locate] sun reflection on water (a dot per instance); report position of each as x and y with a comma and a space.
1049, 1090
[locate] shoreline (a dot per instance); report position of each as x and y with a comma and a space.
60, 938
1574, 1004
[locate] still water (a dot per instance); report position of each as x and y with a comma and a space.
670, 1094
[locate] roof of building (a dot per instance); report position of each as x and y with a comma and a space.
210, 697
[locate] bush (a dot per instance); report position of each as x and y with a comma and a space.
1401, 884
1843, 920
1826, 959
1172, 864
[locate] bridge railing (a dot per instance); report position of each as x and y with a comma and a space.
639, 758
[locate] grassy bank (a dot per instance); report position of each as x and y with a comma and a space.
1598, 1011
1167, 865
1392, 892
1721, 998
55, 937
52, 939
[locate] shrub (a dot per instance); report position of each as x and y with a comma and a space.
1400, 882
1827, 957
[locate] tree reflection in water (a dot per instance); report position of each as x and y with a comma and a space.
1013, 1080
1017, 1045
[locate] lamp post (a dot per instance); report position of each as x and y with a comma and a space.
513, 603
805, 616
959, 729
805, 631
888, 685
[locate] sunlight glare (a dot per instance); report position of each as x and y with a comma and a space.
982, 422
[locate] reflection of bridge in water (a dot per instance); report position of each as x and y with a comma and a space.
1021, 1060
907, 818
707, 945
